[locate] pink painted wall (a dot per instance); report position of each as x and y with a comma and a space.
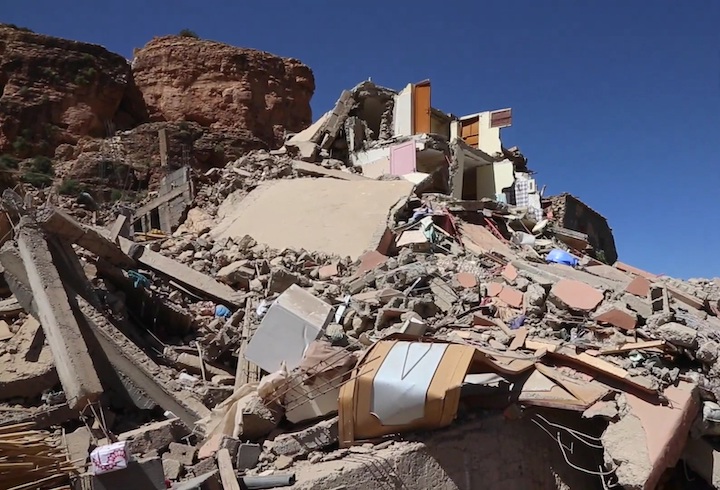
403, 158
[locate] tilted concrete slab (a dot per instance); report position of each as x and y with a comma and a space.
320, 215
650, 438
72, 359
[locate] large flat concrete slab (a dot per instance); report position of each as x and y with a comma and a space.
320, 215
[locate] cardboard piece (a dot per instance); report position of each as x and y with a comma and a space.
291, 324
315, 385
403, 386
111, 457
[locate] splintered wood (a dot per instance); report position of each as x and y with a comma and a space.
29, 460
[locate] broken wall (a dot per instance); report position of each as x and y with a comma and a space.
489, 452
571, 213
323, 215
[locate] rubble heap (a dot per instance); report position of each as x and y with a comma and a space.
301, 323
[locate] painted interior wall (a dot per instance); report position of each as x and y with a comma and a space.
489, 138
492, 179
402, 112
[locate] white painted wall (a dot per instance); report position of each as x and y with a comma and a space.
489, 140
402, 113
369, 156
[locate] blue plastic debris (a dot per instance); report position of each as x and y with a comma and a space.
561, 257
138, 279
517, 322
222, 311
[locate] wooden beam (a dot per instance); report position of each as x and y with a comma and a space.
56, 222
156, 203
193, 280
227, 473
317, 170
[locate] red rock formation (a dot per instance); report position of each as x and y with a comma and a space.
55, 91
221, 86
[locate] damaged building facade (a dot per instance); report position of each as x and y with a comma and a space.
387, 301
383, 132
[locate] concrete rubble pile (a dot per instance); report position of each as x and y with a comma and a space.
387, 300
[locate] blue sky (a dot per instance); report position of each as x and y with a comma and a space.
615, 101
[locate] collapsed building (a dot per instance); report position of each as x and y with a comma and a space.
388, 301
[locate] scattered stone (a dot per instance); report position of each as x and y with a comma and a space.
172, 468
617, 316
155, 436
708, 352
639, 286
302, 443
281, 279
181, 452
510, 273
678, 334
283, 462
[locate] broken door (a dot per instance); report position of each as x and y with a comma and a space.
421, 107
403, 158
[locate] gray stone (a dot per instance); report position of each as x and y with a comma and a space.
535, 300
204, 466
283, 462
302, 443
639, 305
155, 436
522, 283
181, 452
281, 279
248, 456
708, 352
238, 272
678, 334
172, 468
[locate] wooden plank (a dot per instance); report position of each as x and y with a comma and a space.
536, 344
156, 203
630, 346
605, 368
227, 473
589, 392
195, 281
519, 340
117, 227
311, 169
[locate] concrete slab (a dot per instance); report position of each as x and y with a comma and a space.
617, 316
71, 354
322, 215
576, 295
512, 297
640, 286
634, 270
650, 438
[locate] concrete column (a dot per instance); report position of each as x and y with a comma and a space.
72, 359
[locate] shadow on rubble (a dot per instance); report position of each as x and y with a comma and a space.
493, 452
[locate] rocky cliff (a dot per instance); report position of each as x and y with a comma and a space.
221, 86
54, 91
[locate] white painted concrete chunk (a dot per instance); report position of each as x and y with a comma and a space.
295, 320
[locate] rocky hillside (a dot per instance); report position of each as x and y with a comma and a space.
54, 91
221, 86
95, 115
